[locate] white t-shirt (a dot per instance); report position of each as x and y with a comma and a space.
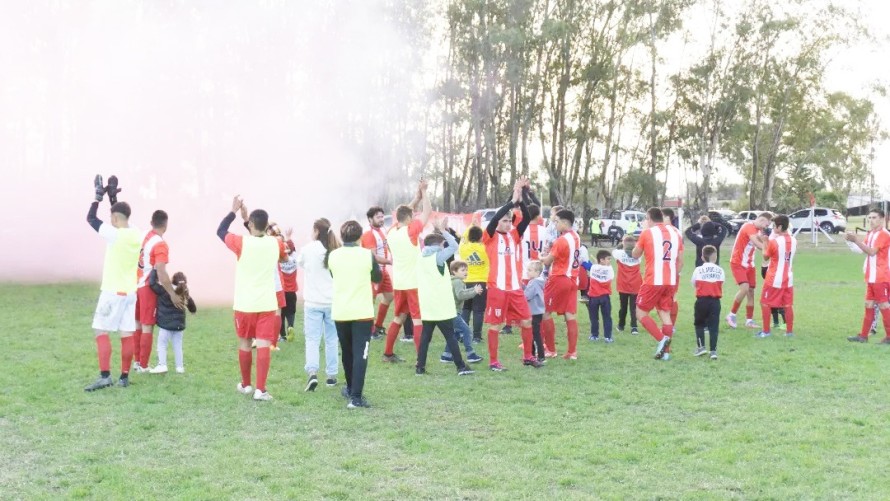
318, 285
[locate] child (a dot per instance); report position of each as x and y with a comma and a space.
776, 312
778, 286
462, 293
534, 294
708, 282
171, 320
628, 283
599, 294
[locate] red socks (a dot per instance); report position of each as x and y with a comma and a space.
137, 338
103, 350
527, 340
391, 335
749, 312
127, 353
263, 358
382, 309
145, 349
766, 311
885, 316
735, 306
675, 309
418, 333
245, 360
866, 321
789, 319
651, 327
572, 328
492, 346
667, 330
548, 332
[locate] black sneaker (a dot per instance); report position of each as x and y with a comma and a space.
112, 189
473, 358
419, 371
508, 329
379, 333
466, 371
634, 331
477, 340
332, 381
102, 382
100, 187
857, 339
344, 392
358, 402
532, 362
407, 339
123, 382
392, 359
312, 383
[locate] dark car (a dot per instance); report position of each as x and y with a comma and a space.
717, 218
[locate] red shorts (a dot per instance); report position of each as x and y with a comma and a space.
877, 292
385, 285
658, 297
282, 300
263, 325
406, 302
744, 275
561, 295
777, 297
506, 307
146, 306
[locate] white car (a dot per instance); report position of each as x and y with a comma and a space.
830, 220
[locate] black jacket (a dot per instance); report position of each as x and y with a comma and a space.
168, 316
706, 238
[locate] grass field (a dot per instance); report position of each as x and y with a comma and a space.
779, 418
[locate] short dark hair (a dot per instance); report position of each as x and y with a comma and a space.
122, 208
350, 231
373, 211
879, 212
781, 222
767, 215
533, 212
158, 219
404, 213
708, 251
602, 254
668, 213
475, 234
655, 215
260, 219
434, 238
456, 265
566, 215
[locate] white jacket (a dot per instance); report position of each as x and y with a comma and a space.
318, 285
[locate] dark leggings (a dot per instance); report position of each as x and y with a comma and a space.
627, 301
288, 312
476, 306
355, 336
776, 312
446, 327
536, 333
707, 315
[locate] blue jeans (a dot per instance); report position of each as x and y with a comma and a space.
463, 333
598, 304
317, 322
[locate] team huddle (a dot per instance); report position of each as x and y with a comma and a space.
516, 271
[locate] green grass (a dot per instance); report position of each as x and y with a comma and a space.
776, 418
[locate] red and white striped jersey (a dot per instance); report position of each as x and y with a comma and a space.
877, 267
532, 243
629, 277
601, 277
375, 240
662, 245
566, 252
780, 252
503, 260
743, 251
708, 280
154, 251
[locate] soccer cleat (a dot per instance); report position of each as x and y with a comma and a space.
123, 382
102, 382
700, 351
473, 358
570, 356
857, 339
344, 392
311, 383
662, 345
379, 333
634, 331
730, 319
180, 370
158, 369
477, 340
593, 338
419, 371
112, 190
763, 334
261, 395
290, 334
550, 354
392, 359
332, 381
749, 324
357, 402
532, 362
244, 390
100, 187
609, 340
713, 355
466, 371
496, 367
138, 369
446, 359
666, 357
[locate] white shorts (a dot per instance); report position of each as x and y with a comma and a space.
115, 313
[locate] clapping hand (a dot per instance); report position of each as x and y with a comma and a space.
477, 289
237, 204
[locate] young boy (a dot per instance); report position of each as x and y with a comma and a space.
628, 283
708, 282
778, 287
534, 294
599, 294
462, 293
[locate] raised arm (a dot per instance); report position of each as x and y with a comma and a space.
427, 204
693, 237
493, 224
447, 251
521, 227
92, 218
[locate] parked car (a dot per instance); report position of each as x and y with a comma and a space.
726, 214
744, 217
485, 215
830, 220
616, 225
718, 218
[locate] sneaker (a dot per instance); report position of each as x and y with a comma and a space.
281, 339
123, 382
446, 359
584, 299
180, 370
857, 339
344, 392
245, 390
473, 358
666, 357
550, 354
102, 382
886, 340
466, 371
701, 350
419, 371
620, 328
713, 355
158, 369
331, 381
392, 359
311, 383
477, 340
532, 362
542, 360
261, 395
290, 334
634, 331
749, 324
496, 367
137, 366
662, 345
355, 403
730, 319
407, 339
570, 356
593, 338
379, 333
762, 334
138, 369
609, 340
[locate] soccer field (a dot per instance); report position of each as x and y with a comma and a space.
779, 418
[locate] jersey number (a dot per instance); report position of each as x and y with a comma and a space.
576, 262
667, 251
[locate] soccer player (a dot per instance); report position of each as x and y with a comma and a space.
353, 307
876, 246
116, 309
155, 254
778, 286
506, 300
287, 270
743, 266
532, 239
708, 281
255, 305
404, 246
561, 292
661, 247
669, 219
600, 295
375, 240
628, 283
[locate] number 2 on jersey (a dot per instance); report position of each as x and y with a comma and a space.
667, 245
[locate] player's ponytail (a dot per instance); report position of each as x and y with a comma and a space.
327, 237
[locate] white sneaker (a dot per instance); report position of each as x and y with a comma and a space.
662, 345
180, 370
158, 369
261, 395
138, 369
244, 389
750, 324
730, 319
